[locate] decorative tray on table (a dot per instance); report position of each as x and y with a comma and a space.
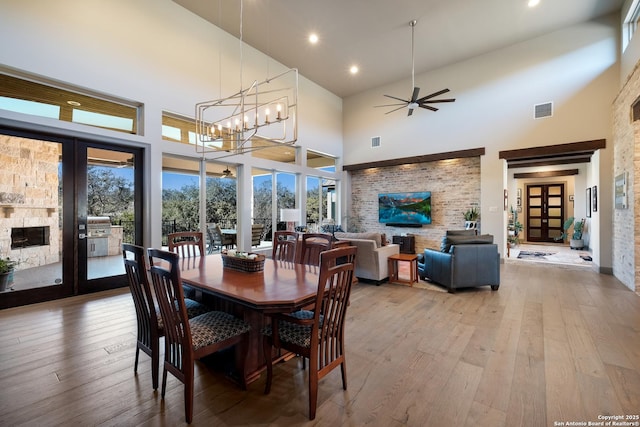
243, 261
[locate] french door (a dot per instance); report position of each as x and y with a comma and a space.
59, 184
545, 212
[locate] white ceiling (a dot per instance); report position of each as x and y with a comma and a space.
376, 36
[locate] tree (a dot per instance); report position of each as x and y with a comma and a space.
108, 194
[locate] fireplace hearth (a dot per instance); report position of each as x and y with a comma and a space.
25, 237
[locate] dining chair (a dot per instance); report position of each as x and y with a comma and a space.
312, 245
149, 320
321, 338
189, 339
186, 244
284, 246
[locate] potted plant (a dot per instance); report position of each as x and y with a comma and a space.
6, 270
576, 241
514, 229
471, 218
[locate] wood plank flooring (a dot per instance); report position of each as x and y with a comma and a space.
553, 345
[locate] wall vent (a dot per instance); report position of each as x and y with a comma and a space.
543, 110
375, 142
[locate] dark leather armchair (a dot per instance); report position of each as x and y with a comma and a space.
465, 261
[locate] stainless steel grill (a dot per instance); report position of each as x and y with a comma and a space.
98, 231
98, 226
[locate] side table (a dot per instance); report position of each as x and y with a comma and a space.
412, 259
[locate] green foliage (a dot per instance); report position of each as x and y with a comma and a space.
7, 265
472, 214
515, 227
108, 194
578, 227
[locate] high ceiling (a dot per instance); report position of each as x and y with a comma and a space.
375, 34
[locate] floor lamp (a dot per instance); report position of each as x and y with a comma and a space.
290, 216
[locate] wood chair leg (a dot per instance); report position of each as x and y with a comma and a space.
266, 347
135, 364
155, 362
188, 399
164, 381
343, 368
313, 392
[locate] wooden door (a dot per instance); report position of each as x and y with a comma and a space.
545, 212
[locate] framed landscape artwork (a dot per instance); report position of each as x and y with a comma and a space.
589, 202
594, 196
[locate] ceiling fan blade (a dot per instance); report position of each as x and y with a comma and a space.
396, 109
396, 98
390, 105
428, 107
414, 96
433, 95
431, 101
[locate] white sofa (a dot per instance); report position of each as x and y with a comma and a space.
371, 258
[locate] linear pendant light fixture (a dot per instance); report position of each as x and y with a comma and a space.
265, 111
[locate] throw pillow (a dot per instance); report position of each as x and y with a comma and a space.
383, 239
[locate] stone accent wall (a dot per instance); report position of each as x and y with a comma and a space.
29, 179
626, 158
454, 186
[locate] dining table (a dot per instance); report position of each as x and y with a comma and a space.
281, 287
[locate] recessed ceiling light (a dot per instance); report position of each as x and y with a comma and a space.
354, 69
533, 3
313, 38
74, 103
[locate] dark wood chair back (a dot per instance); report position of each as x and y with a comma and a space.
320, 338
186, 244
149, 331
189, 339
312, 245
284, 246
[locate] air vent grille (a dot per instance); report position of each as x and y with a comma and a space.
543, 110
375, 142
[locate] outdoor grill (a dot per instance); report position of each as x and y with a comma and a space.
98, 226
98, 231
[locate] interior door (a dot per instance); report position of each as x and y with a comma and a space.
545, 212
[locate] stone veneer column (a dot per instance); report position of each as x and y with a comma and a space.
626, 143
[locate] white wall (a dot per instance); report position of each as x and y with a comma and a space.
154, 52
575, 68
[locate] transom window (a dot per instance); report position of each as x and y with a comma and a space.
46, 100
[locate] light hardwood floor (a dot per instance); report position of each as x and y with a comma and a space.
551, 346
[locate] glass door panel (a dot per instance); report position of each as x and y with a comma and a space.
110, 209
32, 212
109, 212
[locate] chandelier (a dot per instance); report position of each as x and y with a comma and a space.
264, 112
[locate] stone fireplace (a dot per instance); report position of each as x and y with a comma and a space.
24, 237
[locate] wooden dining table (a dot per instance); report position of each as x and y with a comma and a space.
282, 287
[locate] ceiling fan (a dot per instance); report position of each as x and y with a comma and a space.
226, 173
415, 102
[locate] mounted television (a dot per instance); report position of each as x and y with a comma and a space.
405, 209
